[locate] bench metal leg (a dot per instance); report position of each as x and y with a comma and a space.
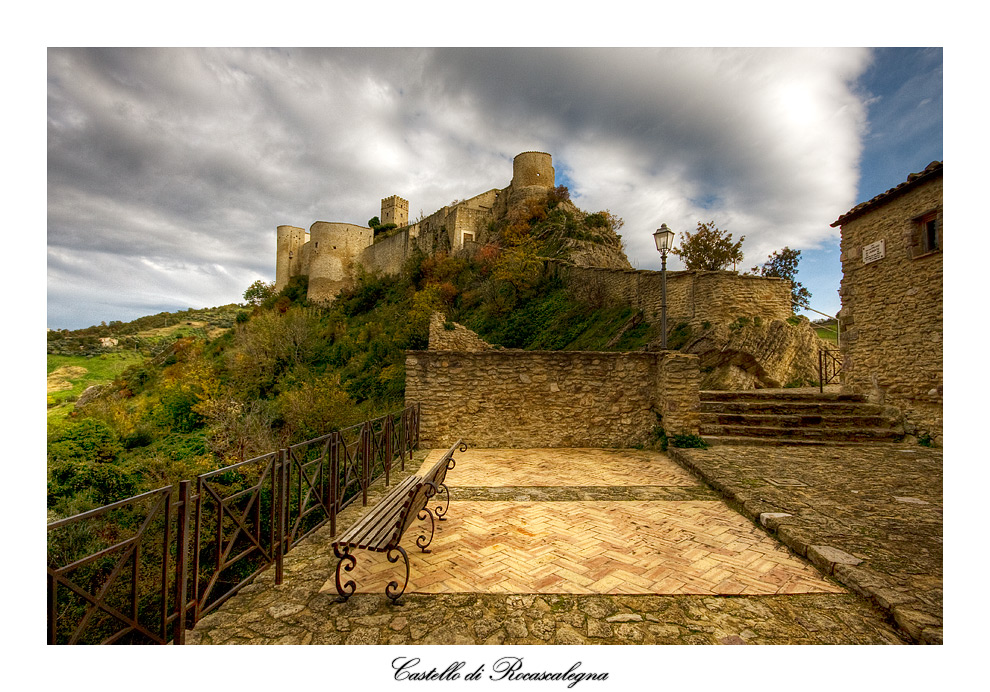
348, 562
392, 586
422, 541
442, 511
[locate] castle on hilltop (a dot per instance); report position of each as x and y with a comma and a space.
330, 253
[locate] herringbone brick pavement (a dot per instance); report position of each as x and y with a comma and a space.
626, 546
562, 467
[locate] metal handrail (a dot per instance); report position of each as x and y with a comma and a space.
837, 329
829, 366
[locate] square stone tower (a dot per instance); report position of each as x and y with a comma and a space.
395, 210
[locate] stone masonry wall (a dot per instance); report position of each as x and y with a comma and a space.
892, 309
551, 398
692, 296
387, 255
450, 336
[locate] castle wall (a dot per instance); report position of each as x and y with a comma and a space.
891, 316
692, 296
333, 248
387, 255
551, 398
289, 241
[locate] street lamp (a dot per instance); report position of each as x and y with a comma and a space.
665, 242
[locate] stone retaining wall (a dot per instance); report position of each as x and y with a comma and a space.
551, 398
694, 297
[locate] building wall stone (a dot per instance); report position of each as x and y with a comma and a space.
508, 398
891, 317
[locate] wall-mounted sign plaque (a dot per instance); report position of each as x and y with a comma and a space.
874, 251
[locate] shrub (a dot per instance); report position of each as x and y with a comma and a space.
688, 441
104, 483
86, 441
679, 336
557, 195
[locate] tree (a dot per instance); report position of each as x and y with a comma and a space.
783, 264
258, 292
709, 248
374, 222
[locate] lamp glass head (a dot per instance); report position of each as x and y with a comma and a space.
664, 238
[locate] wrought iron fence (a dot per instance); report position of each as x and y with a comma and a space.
143, 570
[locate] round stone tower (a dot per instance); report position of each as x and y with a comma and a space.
532, 169
333, 250
289, 241
532, 179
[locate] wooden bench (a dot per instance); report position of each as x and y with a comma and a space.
381, 529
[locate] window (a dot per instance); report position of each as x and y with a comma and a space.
926, 234
930, 240
467, 238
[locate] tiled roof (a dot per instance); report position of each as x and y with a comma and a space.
933, 170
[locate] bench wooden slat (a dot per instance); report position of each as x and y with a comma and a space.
385, 513
381, 511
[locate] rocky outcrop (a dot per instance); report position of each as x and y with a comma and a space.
757, 354
584, 253
90, 394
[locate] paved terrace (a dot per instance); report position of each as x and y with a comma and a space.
598, 546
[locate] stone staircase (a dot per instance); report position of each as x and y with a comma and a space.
757, 417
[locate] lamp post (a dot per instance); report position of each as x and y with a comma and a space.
664, 238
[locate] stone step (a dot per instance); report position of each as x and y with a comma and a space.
792, 408
730, 441
829, 421
785, 432
777, 395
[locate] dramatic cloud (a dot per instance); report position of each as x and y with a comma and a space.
169, 170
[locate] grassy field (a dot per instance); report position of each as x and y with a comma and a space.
827, 332
68, 376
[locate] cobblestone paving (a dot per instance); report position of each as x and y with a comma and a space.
869, 515
303, 610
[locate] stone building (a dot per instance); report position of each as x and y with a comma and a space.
891, 293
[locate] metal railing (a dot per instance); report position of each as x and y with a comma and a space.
145, 569
836, 328
829, 366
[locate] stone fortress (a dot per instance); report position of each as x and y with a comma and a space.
331, 255
331, 252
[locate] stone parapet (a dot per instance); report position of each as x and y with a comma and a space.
551, 398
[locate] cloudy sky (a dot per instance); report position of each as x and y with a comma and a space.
169, 169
